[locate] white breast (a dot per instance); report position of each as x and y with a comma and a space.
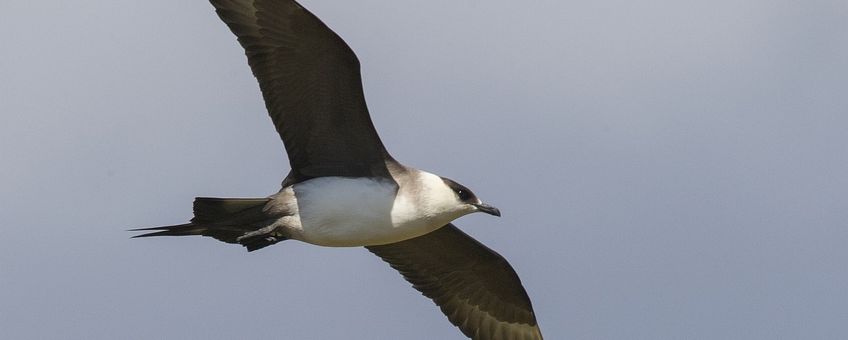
340, 212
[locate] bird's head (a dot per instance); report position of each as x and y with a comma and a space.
442, 200
466, 201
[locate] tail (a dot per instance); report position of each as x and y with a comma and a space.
242, 221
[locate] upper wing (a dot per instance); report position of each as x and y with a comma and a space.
474, 286
312, 88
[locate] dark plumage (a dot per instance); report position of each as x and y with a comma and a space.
312, 88
473, 285
310, 80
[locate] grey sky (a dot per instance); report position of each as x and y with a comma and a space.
666, 169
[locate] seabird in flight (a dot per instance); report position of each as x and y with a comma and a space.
345, 190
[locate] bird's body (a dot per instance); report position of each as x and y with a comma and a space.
362, 211
344, 189
343, 212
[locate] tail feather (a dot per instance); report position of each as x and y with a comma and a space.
242, 221
171, 230
213, 209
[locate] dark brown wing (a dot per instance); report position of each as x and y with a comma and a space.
474, 286
312, 88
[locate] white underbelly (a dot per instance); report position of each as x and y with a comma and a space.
347, 212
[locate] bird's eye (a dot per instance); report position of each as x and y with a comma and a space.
463, 194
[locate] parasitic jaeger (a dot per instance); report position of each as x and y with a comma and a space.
345, 190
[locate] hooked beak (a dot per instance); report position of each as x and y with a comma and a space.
488, 209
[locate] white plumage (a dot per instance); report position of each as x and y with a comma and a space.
352, 212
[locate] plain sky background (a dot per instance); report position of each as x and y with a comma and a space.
666, 169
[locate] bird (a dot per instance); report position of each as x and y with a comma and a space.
344, 189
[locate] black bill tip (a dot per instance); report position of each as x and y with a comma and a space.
483, 207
